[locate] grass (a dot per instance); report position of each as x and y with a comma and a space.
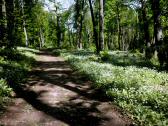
129, 81
14, 65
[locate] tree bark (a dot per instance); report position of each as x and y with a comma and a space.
160, 47
41, 38
69, 36
25, 33
81, 26
95, 34
58, 31
101, 25
119, 27
145, 24
158, 33
148, 52
10, 23
109, 38
2, 23
24, 25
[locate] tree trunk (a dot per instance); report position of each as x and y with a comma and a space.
25, 33
136, 36
24, 25
160, 48
148, 52
112, 45
158, 34
95, 34
109, 39
58, 31
10, 23
81, 26
101, 25
88, 36
123, 39
69, 36
2, 23
41, 38
119, 27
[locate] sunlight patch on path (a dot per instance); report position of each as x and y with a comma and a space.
56, 96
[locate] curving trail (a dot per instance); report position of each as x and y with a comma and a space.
55, 95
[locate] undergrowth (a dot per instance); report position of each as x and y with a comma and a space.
129, 81
14, 65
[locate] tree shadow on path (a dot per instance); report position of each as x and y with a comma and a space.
56, 90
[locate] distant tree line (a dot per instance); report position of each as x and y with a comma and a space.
136, 25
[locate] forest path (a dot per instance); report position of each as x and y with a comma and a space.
55, 95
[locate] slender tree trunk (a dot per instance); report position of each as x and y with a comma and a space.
62, 38
112, 45
123, 39
109, 40
101, 25
136, 37
119, 27
69, 36
10, 23
25, 33
95, 34
88, 36
81, 26
24, 25
42, 38
73, 38
109, 36
2, 23
58, 32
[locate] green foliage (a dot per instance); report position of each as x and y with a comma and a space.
56, 52
5, 90
105, 55
14, 65
135, 58
143, 92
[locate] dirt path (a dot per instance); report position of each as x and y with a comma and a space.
57, 96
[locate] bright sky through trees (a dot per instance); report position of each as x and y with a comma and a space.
65, 4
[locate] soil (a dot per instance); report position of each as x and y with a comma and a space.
56, 95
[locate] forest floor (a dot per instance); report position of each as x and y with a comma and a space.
55, 95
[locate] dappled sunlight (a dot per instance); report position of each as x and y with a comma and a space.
135, 88
72, 62
58, 95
